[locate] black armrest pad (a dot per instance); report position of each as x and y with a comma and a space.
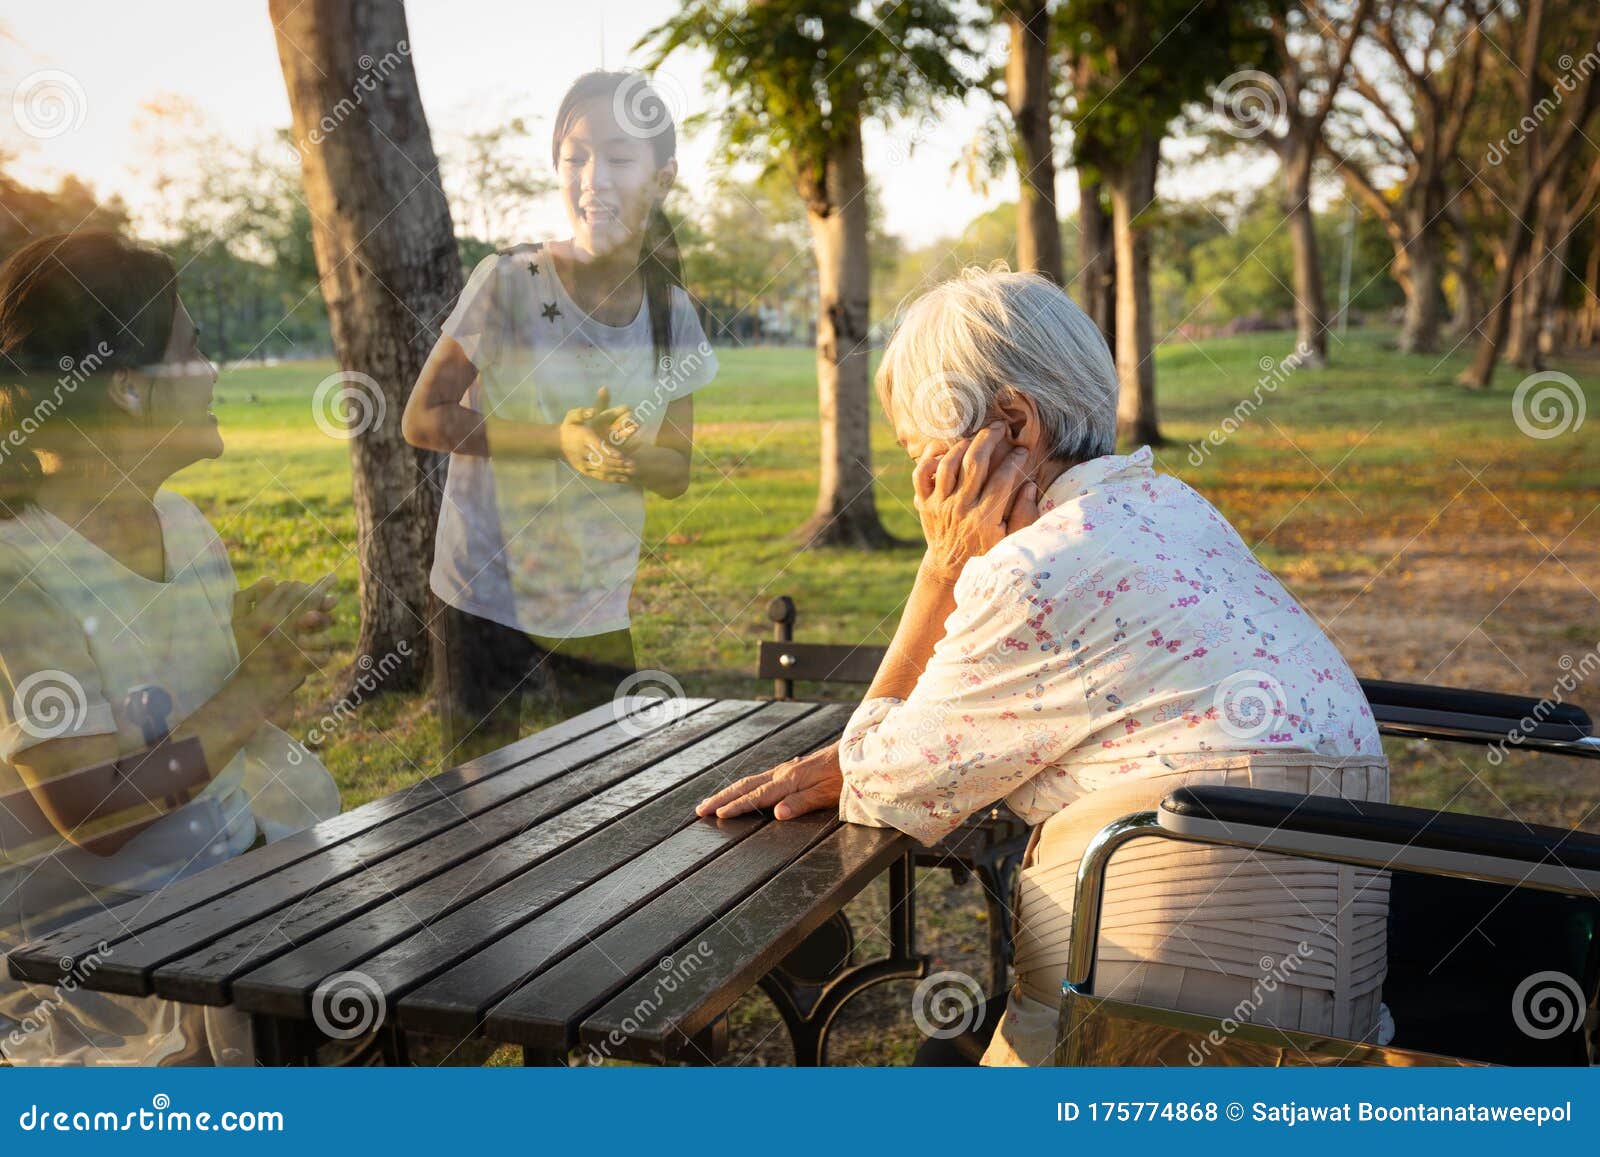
1388, 823
1423, 697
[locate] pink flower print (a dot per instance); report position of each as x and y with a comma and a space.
1084, 583
1176, 709
1156, 639
1213, 632
1151, 580
1106, 596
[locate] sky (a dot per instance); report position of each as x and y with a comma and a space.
475, 60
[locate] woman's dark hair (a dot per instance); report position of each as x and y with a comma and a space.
641, 112
72, 306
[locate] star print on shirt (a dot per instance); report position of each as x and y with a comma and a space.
550, 312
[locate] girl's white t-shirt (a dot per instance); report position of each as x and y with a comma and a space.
534, 544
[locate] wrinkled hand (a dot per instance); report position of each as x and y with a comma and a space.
586, 445
804, 784
970, 496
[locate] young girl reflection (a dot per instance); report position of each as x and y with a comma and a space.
572, 363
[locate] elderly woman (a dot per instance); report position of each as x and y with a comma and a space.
1083, 636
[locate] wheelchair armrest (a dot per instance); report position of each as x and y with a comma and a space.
1464, 701
1418, 710
1387, 836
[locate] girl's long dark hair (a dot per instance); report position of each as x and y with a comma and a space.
73, 306
638, 105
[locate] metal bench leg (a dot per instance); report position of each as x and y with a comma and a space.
281, 1043
544, 1058
997, 876
808, 1009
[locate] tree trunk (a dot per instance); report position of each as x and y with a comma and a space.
1310, 306
1424, 301
1028, 97
1133, 190
1516, 247
1097, 258
846, 513
387, 260
1469, 304
1589, 322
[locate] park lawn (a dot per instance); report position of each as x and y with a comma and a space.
1433, 538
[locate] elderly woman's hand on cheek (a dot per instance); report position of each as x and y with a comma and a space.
970, 495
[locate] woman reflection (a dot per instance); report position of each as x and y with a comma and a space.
111, 584
572, 361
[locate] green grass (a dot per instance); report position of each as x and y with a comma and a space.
1432, 537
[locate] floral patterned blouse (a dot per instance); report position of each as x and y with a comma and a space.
1128, 631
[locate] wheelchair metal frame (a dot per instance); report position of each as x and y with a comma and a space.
1094, 1027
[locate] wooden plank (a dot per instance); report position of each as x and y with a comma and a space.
411, 955
545, 1012
284, 986
500, 806
49, 958
452, 1004
646, 1022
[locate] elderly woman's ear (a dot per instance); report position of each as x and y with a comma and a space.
1023, 426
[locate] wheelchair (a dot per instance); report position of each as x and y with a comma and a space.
1519, 903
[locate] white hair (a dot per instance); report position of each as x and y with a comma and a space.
966, 342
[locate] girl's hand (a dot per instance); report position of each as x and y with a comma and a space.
626, 432
970, 496
804, 784
586, 447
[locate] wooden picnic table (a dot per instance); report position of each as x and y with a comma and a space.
557, 894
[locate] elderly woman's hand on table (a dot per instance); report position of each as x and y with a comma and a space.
969, 495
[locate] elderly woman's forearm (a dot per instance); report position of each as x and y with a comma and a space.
922, 625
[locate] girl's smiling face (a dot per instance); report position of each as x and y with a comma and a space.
609, 180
